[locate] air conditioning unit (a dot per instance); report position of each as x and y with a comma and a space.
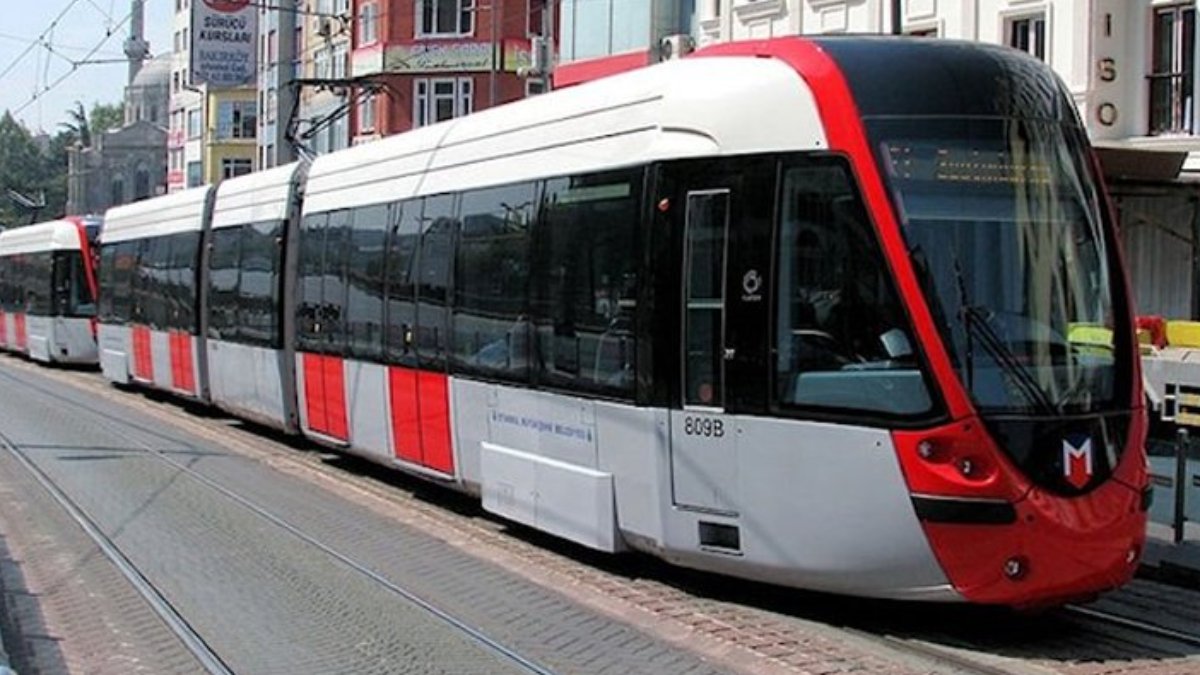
675, 47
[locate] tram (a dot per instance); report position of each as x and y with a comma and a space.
770, 310
48, 290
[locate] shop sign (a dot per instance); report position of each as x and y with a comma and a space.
224, 35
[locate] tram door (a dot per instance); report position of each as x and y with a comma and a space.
723, 210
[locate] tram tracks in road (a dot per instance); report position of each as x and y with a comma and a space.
929, 647
158, 601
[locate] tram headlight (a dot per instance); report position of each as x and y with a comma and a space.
1016, 567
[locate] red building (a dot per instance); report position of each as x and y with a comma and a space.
439, 59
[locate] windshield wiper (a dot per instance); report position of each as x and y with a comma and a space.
995, 347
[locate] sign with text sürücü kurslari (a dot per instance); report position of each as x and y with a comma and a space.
224, 34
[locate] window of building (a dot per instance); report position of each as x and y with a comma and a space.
175, 82
322, 63
366, 114
194, 127
1172, 99
534, 10
341, 58
195, 174
232, 167
272, 46
118, 192
237, 119
368, 24
440, 99
439, 18
1029, 35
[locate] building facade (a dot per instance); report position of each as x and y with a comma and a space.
417, 62
323, 65
280, 34
602, 37
128, 163
196, 154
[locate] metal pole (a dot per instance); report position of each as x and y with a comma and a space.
1181, 448
492, 79
897, 28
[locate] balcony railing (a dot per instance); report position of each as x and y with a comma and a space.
1171, 104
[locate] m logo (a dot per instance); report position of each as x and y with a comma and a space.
1077, 460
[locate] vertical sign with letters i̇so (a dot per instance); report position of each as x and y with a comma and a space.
224, 35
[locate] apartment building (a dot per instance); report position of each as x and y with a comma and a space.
213, 109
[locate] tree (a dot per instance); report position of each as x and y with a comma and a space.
22, 168
106, 116
78, 126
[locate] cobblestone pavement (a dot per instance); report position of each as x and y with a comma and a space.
731, 624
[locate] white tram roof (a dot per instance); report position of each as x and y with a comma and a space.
256, 197
54, 235
685, 108
177, 212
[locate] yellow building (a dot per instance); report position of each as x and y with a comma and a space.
232, 121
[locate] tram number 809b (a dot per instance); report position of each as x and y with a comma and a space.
703, 426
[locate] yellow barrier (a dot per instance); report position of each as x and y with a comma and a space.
1183, 333
1089, 338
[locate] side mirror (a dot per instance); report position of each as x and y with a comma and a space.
896, 344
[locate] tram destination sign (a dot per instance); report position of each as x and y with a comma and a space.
224, 35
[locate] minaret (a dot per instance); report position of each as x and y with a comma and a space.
136, 47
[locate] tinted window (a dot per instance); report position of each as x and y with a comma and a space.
108, 262
333, 281
37, 285
491, 287
224, 261
842, 338
401, 282
72, 296
308, 290
141, 282
183, 303
585, 295
365, 268
121, 291
156, 265
258, 289
438, 226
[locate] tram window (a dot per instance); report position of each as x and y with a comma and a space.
365, 266
121, 290
71, 294
333, 281
438, 225
184, 305
156, 264
585, 282
842, 339
224, 322
37, 292
491, 286
258, 287
401, 281
108, 261
308, 303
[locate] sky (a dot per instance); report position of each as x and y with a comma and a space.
81, 29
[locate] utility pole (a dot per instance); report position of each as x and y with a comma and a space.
496, 6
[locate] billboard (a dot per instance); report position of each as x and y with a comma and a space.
224, 37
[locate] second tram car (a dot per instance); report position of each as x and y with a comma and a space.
770, 310
48, 290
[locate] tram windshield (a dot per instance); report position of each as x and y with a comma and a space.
1003, 225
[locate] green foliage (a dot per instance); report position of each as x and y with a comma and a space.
36, 171
105, 117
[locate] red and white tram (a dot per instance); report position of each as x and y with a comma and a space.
48, 290
772, 310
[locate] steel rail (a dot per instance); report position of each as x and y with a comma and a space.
475, 634
162, 607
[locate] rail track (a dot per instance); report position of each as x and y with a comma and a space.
764, 621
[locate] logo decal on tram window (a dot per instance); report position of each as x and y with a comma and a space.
228, 6
751, 284
1077, 460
